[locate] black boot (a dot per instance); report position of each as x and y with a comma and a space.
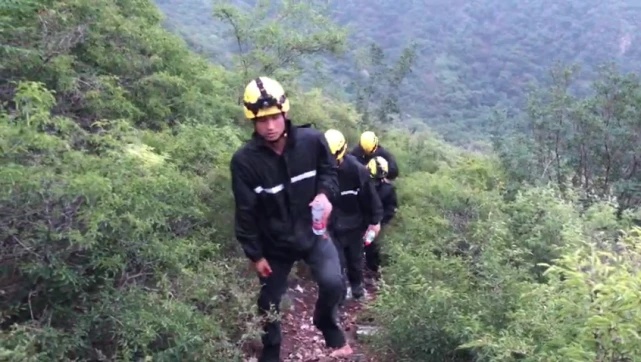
357, 291
270, 354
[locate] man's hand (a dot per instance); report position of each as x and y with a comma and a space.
376, 228
263, 268
327, 207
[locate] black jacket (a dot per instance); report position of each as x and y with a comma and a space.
358, 205
387, 193
358, 152
272, 192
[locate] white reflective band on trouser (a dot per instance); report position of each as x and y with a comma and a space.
350, 192
278, 188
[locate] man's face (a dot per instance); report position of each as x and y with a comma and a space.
270, 127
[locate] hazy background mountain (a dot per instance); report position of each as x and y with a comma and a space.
472, 56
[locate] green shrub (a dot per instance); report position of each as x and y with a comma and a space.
114, 254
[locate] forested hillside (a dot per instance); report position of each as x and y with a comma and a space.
116, 215
472, 55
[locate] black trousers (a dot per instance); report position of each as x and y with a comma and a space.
324, 263
350, 250
373, 256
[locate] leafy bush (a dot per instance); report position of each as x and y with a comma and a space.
475, 277
113, 255
589, 309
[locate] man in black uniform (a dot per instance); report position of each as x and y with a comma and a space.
275, 178
357, 211
378, 169
368, 148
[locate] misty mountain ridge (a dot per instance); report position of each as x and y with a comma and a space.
472, 56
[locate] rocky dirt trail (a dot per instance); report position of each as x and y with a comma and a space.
302, 342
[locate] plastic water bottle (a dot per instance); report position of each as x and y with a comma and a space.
369, 237
318, 224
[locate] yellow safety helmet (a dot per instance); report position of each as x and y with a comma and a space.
264, 97
369, 142
378, 167
337, 143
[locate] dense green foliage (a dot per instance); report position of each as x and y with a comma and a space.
591, 143
111, 246
472, 56
116, 215
467, 283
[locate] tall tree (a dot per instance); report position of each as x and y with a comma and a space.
379, 87
275, 38
591, 142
